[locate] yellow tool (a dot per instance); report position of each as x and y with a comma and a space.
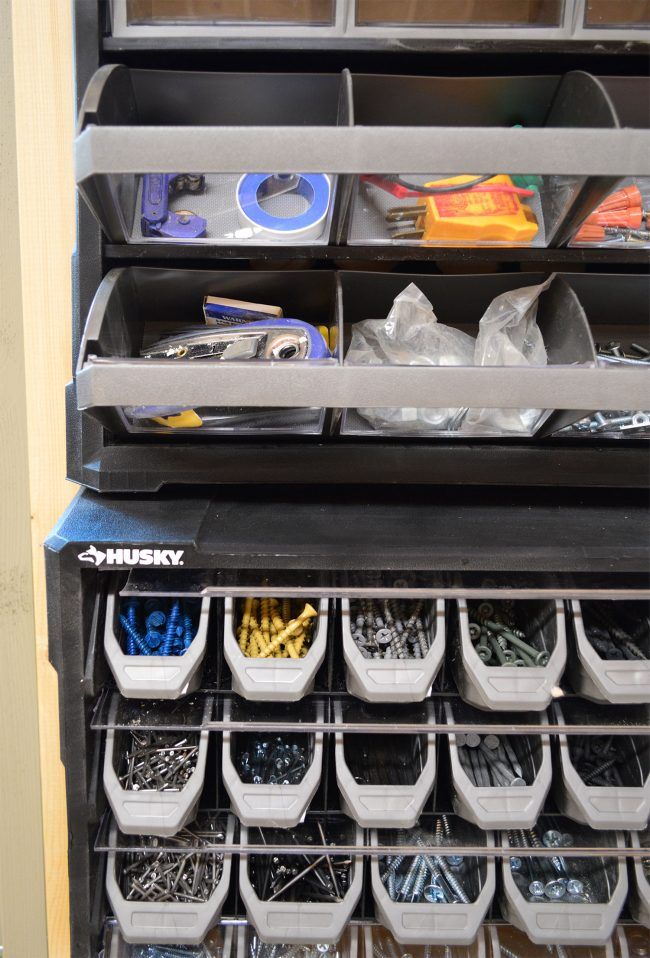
491, 212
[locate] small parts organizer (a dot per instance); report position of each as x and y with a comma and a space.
294, 805
351, 621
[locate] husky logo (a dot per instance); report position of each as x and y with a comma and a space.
132, 556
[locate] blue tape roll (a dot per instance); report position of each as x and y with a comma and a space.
314, 187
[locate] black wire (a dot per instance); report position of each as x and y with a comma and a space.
432, 190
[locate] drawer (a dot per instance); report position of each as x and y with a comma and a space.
135, 307
579, 922
582, 794
594, 676
476, 798
182, 200
524, 676
527, 209
138, 19
432, 920
459, 302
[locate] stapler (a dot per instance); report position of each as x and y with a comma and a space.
157, 219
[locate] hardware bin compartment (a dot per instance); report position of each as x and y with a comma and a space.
179, 115
620, 681
509, 688
394, 680
568, 923
239, 18
448, 13
385, 805
623, 806
250, 945
376, 937
271, 679
640, 887
137, 306
185, 923
277, 805
501, 806
221, 939
430, 923
279, 922
460, 302
155, 676
536, 217
151, 811
506, 940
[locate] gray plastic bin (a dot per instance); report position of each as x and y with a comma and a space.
640, 885
185, 923
438, 923
394, 680
281, 806
385, 806
250, 945
151, 812
177, 117
221, 941
506, 940
610, 807
496, 806
621, 682
136, 306
505, 687
281, 923
154, 676
379, 943
275, 680
582, 923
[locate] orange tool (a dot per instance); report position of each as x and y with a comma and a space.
474, 216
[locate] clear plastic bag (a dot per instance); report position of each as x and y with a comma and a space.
509, 336
410, 336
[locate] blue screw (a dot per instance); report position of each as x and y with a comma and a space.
170, 632
189, 631
135, 640
131, 607
154, 639
156, 619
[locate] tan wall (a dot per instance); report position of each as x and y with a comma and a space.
36, 241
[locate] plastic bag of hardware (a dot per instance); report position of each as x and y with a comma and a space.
410, 336
509, 336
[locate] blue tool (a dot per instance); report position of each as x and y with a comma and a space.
253, 188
